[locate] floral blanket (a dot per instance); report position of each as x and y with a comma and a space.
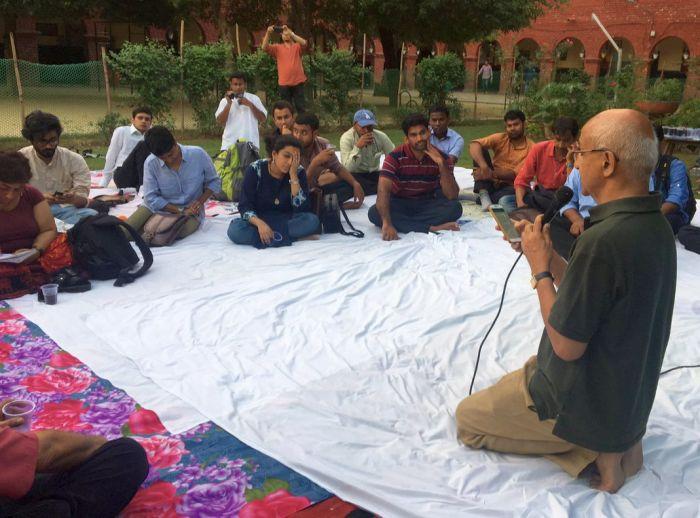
204, 472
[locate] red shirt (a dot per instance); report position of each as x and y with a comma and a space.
290, 70
18, 227
542, 164
18, 454
410, 177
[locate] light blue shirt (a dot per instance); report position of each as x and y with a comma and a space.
162, 185
678, 192
583, 202
451, 144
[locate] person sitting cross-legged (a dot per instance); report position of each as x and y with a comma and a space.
323, 169
28, 228
587, 395
361, 148
671, 179
417, 188
546, 164
177, 179
62, 176
60, 474
494, 176
124, 140
442, 136
274, 203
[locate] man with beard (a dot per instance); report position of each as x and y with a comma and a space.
417, 189
546, 165
442, 136
60, 174
493, 177
323, 169
283, 120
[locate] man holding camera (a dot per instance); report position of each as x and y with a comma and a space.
290, 70
240, 113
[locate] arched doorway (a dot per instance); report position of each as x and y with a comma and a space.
608, 56
527, 55
488, 69
569, 55
669, 59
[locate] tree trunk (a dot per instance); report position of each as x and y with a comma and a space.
392, 50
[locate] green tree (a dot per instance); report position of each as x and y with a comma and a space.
204, 79
153, 70
438, 77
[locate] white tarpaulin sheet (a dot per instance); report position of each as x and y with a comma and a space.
345, 359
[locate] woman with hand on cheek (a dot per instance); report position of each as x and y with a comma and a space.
274, 203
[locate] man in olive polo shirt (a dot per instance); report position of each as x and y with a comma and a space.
587, 395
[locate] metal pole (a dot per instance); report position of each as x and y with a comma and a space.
182, 75
610, 39
398, 93
20, 91
106, 73
364, 55
615, 46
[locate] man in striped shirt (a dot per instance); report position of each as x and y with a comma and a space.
417, 189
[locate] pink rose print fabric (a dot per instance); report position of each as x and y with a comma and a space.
204, 472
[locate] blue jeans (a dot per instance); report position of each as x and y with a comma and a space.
508, 202
300, 225
71, 214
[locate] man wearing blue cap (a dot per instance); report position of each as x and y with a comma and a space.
361, 148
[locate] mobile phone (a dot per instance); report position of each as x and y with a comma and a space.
58, 193
278, 28
507, 227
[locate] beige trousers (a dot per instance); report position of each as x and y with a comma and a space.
502, 418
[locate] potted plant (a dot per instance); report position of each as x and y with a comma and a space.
662, 97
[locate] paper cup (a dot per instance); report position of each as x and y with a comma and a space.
20, 408
50, 292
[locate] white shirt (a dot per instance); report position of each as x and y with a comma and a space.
241, 122
124, 140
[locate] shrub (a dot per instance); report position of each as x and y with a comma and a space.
334, 74
554, 100
437, 77
205, 80
107, 124
687, 115
261, 71
153, 70
665, 90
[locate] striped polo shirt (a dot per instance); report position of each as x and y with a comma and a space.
410, 177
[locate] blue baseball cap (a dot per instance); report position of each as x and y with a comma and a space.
364, 118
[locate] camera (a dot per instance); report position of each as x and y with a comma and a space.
278, 28
235, 96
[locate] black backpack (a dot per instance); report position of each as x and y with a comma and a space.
101, 248
662, 183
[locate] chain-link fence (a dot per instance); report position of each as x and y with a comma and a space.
76, 93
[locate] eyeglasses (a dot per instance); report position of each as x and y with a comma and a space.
596, 150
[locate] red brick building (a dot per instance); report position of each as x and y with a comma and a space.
661, 36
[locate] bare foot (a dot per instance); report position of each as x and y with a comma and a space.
611, 477
632, 460
312, 237
446, 226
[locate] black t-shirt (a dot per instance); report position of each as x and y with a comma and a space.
617, 296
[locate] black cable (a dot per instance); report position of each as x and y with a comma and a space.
500, 307
679, 367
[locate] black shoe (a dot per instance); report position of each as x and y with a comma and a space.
70, 281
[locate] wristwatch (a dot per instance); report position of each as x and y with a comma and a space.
538, 277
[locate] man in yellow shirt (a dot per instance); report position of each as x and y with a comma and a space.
493, 177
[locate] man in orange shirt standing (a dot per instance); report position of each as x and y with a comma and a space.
290, 70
